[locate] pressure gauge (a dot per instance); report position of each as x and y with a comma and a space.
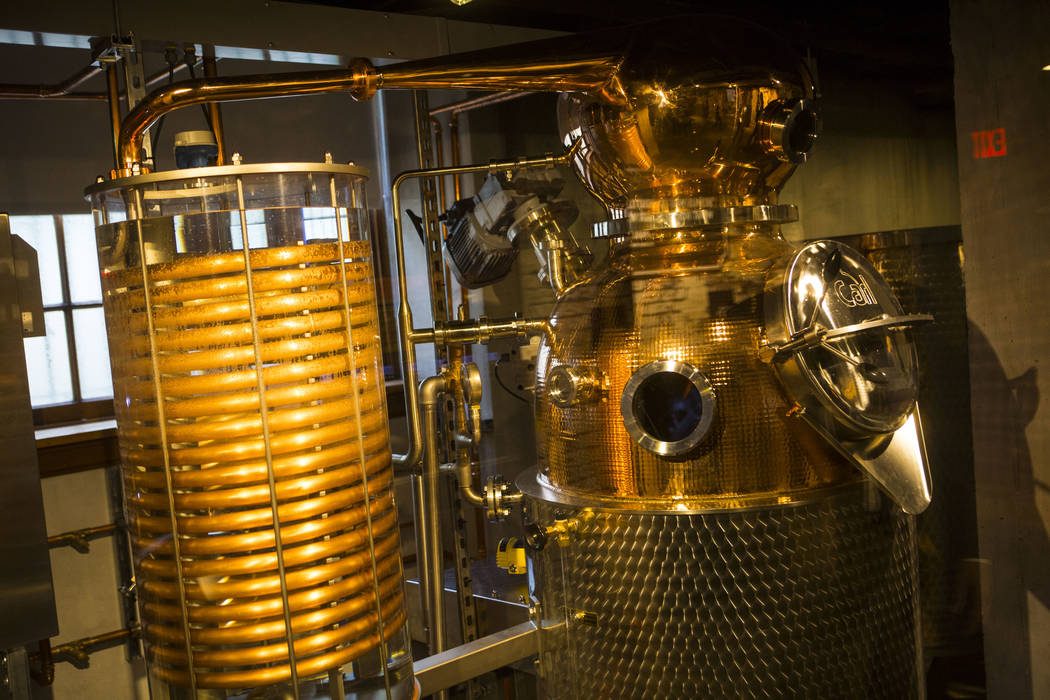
835, 335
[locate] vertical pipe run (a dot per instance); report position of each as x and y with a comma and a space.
439, 160
214, 110
422, 549
430, 390
264, 416
114, 110
453, 135
453, 130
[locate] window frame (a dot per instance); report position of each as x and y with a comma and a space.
77, 410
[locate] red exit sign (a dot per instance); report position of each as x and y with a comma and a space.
989, 144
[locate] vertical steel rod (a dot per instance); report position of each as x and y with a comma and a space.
439, 160
113, 93
214, 109
163, 429
422, 549
270, 477
352, 362
453, 135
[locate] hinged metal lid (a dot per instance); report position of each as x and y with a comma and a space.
835, 335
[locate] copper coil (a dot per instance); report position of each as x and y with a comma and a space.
251, 472
220, 544
226, 404
216, 451
307, 667
274, 628
226, 587
258, 563
326, 447
242, 519
259, 606
165, 320
252, 425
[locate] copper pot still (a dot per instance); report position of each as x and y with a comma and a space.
701, 524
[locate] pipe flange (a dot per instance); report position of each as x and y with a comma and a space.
495, 489
712, 216
569, 386
788, 130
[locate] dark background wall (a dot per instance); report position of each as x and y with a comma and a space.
1000, 50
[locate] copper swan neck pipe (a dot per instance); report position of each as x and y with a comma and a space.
358, 80
486, 70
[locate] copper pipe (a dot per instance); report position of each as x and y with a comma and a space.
522, 67
78, 539
430, 391
228, 586
78, 651
587, 67
33, 92
408, 334
61, 89
113, 95
359, 80
214, 110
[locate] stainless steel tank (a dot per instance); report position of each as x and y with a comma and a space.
925, 269
699, 525
252, 424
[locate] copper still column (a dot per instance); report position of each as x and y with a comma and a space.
252, 424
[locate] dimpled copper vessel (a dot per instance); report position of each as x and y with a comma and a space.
693, 297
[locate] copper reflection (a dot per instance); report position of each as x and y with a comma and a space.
327, 434
695, 299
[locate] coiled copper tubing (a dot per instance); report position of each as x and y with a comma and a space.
326, 444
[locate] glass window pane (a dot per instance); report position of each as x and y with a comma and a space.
319, 223
81, 260
256, 220
39, 232
89, 329
47, 362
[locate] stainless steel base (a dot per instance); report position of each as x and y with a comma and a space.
815, 600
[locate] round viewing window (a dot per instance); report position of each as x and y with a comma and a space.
668, 407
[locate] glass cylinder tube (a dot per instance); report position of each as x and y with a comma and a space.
248, 382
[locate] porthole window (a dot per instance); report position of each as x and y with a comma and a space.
668, 407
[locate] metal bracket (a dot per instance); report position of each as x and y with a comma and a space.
470, 660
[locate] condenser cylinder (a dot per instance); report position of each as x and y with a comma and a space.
251, 415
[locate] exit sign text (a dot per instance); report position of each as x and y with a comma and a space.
989, 144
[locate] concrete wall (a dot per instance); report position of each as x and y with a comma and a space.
86, 592
883, 162
999, 51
